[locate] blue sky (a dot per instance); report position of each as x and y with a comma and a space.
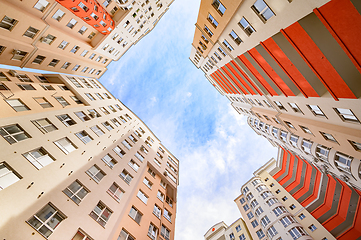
217, 150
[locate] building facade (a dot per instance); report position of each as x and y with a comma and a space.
236, 231
294, 70
292, 199
85, 166
73, 37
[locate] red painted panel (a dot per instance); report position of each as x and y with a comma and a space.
277, 80
224, 82
285, 63
230, 67
246, 77
220, 85
228, 82
290, 171
306, 182
342, 210
84, 14
355, 231
234, 80
284, 164
326, 206
314, 195
298, 175
346, 32
315, 59
257, 75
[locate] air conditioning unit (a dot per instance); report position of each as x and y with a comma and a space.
13, 72
165, 173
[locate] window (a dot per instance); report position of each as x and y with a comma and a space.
247, 28
250, 215
279, 210
41, 5
64, 88
167, 215
18, 54
26, 86
99, 96
287, 220
135, 214
152, 231
246, 207
76, 191
165, 232
7, 176
48, 39
272, 201
109, 160
254, 203
126, 144
126, 176
301, 216
265, 221
66, 65
44, 125
206, 29
62, 101
72, 23
65, 145
74, 50
219, 7
84, 53
262, 10
242, 200
13, 133
259, 211
107, 126
58, 15
82, 116
292, 207
328, 137
17, 105
43, 102
162, 183
76, 99
46, 220
213, 21
93, 113
343, 162
124, 235
66, 120
295, 107
148, 183
101, 214
95, 173
284, 198
84, 137
254, 223
271, 232
115, 191
160, 196
306, 130
306, 146
142, 197
169, 201
90, 96
31, 32
278, 191
75, 82
39, 157
81, 235
2, 75
346, 115
47, 87
120, 152
297, 232
97, 130
241, 237
316, 110
355, 145
260, 234
221, 51
116, 122
289, 124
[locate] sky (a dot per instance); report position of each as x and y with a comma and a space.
217, 150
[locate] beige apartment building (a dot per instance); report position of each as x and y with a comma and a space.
73, 37
294, 70
236, 231
78, 164
291, 199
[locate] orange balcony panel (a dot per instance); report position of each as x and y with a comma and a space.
91, 12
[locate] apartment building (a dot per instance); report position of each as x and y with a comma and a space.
293, 68
73, 37
220, 231
292, 199
78, 164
